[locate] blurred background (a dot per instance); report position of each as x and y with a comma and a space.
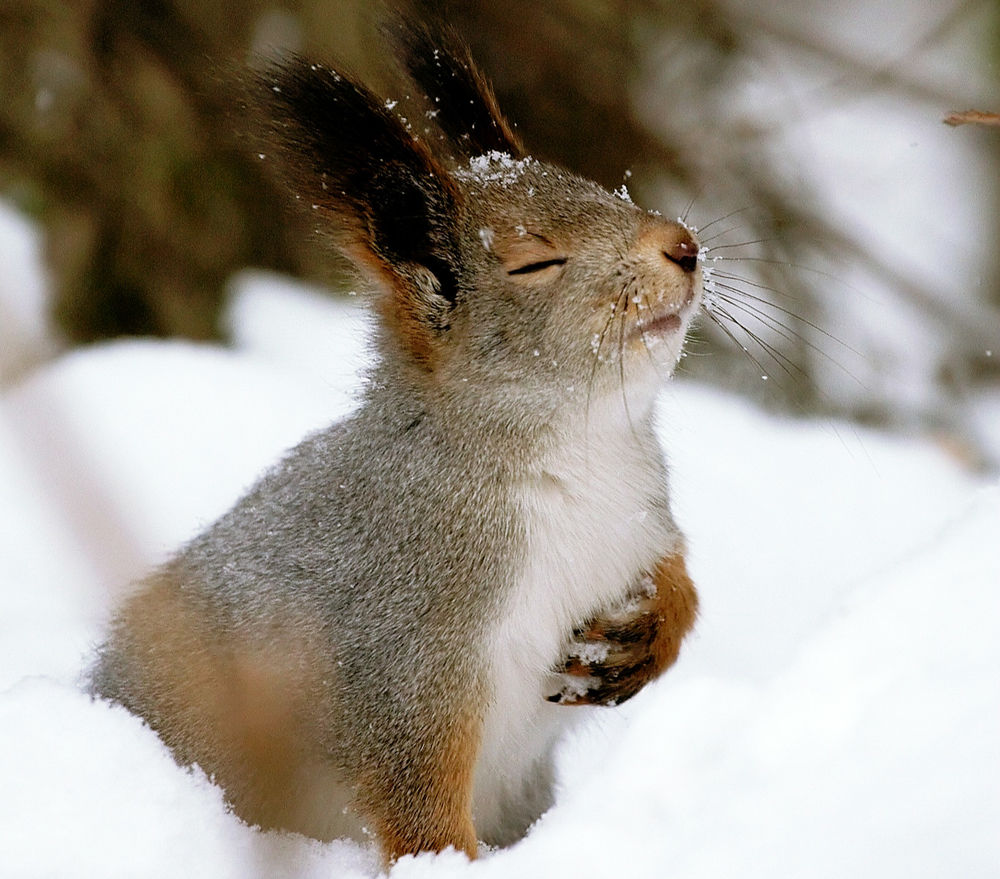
861, 274
838, 712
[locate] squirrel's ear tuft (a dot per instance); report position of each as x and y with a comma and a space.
461, 99
390, 205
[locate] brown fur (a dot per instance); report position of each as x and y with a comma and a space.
241, 710
676, 607
430, 807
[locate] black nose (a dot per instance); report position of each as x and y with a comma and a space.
682, 250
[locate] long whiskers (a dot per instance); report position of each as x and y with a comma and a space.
598, 345
721, 219
778, 262
627, 297
785, 363
760, 299
729, 304
706, 241
621, 360
740, 244
645, 343
715, 318
690, 205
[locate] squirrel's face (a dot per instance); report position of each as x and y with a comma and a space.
500, 278
564, 287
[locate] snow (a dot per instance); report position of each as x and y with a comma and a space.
496, 167
835, 714
23, 333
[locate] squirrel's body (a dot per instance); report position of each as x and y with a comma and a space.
387, 633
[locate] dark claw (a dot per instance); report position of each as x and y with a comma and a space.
641, 630
622, 669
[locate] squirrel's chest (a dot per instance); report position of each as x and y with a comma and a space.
591, 528
592, 525
591, 531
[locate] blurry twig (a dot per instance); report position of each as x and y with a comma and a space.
971, 117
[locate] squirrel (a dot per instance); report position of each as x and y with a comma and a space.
387, 635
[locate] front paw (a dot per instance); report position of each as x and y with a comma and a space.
612, 657
616, 654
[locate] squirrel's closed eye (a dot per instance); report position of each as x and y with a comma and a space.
539, 266
531, 257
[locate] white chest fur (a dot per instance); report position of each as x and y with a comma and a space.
596, 520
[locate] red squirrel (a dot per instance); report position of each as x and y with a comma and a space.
389, 632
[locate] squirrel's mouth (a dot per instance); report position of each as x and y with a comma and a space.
660, 325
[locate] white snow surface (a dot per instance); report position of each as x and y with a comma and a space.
24, 336
836, 713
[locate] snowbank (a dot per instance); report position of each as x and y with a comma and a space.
835, 715
25, 337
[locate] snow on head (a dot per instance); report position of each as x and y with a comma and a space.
623, 193
495, 167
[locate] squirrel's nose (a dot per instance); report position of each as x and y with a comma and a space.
681, 248
668, 240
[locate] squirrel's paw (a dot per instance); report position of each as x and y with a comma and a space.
612, 657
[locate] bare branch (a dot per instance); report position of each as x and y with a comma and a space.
971, 117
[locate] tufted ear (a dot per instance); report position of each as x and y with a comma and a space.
462, 102
389, 204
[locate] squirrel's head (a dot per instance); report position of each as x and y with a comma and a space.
499, 276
